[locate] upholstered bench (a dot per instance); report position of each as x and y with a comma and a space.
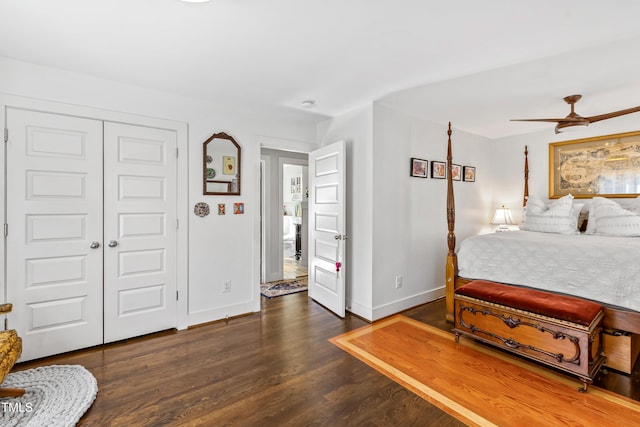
561, 331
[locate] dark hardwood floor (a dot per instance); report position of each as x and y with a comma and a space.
272, 368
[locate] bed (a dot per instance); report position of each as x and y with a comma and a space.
590, 266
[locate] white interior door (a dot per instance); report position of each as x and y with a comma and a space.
327, 234
140, 230
54, 217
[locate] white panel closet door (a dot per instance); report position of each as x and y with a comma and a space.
140, 230
54, 215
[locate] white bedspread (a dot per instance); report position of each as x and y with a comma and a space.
605, 269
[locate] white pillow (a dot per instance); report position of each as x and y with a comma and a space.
534, 206
611, 219
635, 207
559, 217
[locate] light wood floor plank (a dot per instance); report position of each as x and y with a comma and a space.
479, 385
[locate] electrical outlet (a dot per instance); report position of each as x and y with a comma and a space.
398, 282
226, 286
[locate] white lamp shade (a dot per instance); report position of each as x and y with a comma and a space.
502, 216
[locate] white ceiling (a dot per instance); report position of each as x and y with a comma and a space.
478, 63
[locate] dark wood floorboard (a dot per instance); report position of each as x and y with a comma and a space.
273, 368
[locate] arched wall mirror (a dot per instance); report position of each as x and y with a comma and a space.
221, 163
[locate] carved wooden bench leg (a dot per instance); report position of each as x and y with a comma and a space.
585, 385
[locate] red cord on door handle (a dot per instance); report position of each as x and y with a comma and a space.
338, 265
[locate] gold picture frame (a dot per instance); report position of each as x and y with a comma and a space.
605, 166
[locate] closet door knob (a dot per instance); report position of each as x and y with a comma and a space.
112, 243
94, 245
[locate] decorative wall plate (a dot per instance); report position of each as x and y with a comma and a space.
201, 209
211, 173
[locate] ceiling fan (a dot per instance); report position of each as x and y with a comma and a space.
575, 119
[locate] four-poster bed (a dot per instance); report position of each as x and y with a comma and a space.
620, 317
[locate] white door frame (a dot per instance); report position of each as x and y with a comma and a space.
263, 221
182, 202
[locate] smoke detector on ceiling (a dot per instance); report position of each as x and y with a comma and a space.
309, 103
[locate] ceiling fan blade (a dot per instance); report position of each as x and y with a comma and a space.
537, 120
593, 119
564, 119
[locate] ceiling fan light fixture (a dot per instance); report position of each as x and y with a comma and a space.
568, 126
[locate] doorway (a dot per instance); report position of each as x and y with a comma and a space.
284, 215
294, 220
324, 196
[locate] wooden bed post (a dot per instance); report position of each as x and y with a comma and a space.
452, 258
526, 176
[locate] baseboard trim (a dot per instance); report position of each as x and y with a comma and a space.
362, 311
398, 306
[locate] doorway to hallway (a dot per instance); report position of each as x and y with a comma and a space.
284, 219
294, 220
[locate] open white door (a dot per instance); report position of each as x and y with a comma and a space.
327, 234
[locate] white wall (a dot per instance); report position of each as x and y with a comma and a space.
409, 213
396, 223
220, 247
356, 129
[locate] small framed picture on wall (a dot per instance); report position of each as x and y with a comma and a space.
438, 170
419, 168
456, 172
469, 173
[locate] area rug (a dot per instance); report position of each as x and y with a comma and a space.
56, 395
479, 385
284, 287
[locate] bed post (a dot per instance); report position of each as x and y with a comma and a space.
452, 258
526, 176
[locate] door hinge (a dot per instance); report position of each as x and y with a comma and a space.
6, 135
177, 152
177, 224
177, 296
6, 230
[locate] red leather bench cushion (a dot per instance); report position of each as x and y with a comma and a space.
570, 309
